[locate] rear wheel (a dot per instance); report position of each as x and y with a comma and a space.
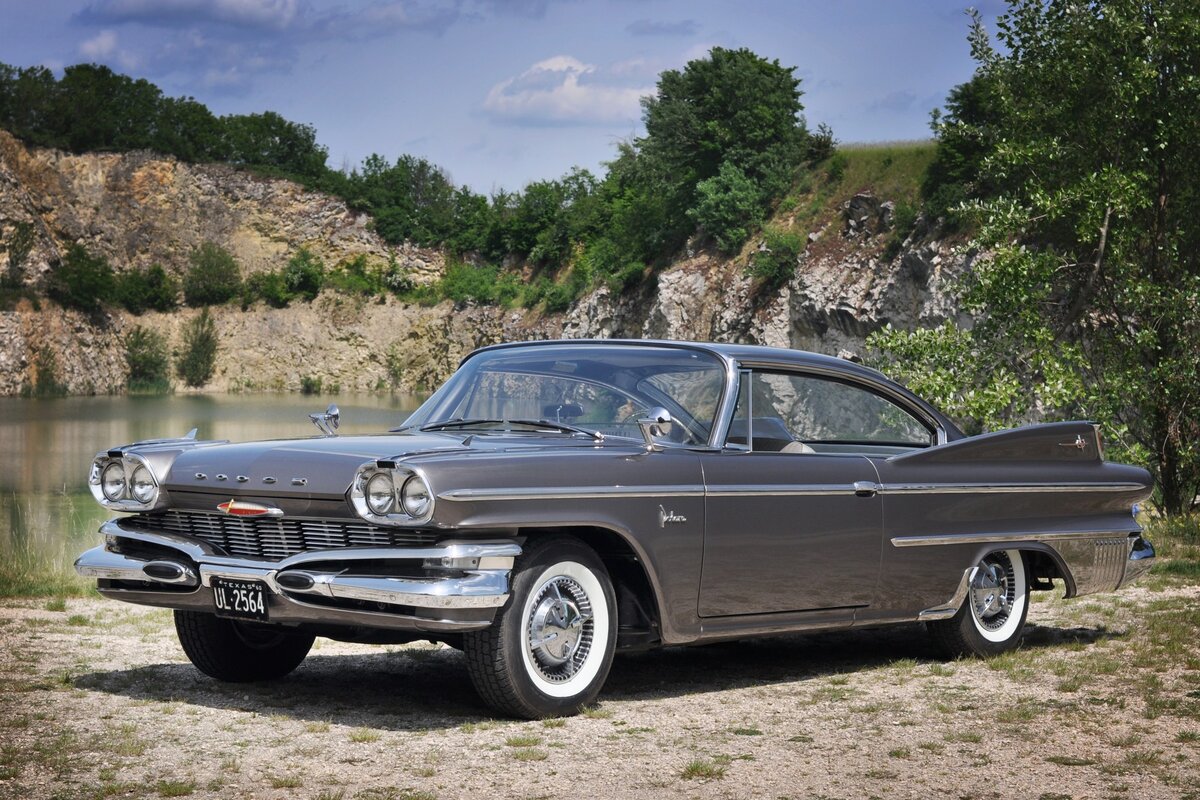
993, 614
239, 652
549, 651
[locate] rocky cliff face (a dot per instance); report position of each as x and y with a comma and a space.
138, 209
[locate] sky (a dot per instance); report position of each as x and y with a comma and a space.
502, 92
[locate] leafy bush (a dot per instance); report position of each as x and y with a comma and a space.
775, 263
148, 361
46, 382
270, 287
213, 276
462, 282
728, 204
197, 358
82, 281
354, 276
18, 246
310, 384
149, 289
304, 275
835, 170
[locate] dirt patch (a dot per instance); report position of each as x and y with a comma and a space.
1101, 701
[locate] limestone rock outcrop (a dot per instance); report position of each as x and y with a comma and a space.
138, 208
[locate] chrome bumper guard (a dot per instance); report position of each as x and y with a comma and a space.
1141, 559
309, 586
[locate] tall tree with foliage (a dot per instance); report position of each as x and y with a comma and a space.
733, 107
1088, 295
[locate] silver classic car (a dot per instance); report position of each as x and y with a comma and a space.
557, 502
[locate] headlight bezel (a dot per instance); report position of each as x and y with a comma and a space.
400, 475
132, 466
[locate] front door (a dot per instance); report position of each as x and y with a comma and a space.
793, 518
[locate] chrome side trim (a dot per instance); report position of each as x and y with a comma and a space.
999, 537
571, 493
951, 606
1006, 488
786, 490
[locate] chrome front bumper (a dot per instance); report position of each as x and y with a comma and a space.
454, 586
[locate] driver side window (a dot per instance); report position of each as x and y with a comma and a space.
782, 412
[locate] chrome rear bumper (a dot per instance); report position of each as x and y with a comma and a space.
454, 586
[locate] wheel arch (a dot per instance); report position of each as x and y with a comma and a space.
1043, 562
640, 610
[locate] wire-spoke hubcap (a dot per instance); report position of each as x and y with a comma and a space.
560, 628
993, 591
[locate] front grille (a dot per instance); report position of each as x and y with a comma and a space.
273, 538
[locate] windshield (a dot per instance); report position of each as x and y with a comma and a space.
599, 388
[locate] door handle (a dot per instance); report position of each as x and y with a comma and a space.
866, 488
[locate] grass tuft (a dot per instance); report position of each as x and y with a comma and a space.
700, 769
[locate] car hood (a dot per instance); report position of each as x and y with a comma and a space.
326, 465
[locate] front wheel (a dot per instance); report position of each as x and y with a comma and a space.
549, 651
239, 652
993, 614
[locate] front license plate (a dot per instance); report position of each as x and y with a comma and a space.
240, 599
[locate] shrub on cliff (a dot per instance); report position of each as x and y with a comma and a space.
197, 358
149, 289
269, 287
82, 280
148, 361
304, 275
212, 278
775, 263
727, 205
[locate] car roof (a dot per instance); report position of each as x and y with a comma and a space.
756, 355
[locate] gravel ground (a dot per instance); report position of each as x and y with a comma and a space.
1102, 700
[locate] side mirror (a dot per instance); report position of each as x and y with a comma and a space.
657, 422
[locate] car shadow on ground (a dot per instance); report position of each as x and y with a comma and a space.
412, 690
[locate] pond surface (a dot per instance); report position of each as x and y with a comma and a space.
47, 514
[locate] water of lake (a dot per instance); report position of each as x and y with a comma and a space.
47, 514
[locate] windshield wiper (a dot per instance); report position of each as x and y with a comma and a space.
559, 426
545, 424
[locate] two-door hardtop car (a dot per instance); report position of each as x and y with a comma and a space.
556, 502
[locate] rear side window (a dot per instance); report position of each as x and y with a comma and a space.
800, 413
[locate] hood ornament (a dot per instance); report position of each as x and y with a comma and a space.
327, 423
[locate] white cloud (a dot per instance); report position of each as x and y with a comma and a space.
103, 48
100, 46
564, 91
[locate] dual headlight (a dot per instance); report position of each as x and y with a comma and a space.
123, 483
389, 495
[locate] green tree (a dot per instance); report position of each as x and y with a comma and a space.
733, 106
727, 206
213, 276
304, 274
148, 289
148, 361
197, 358
1088, 296
81, 281
269, 140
